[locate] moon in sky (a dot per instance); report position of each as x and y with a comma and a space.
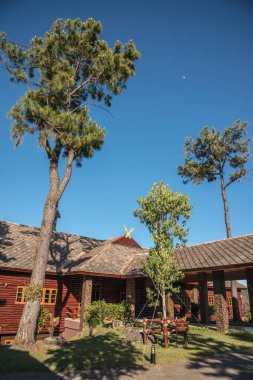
183, 76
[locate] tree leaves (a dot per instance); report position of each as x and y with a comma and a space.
164, 213
66, 71
214, 154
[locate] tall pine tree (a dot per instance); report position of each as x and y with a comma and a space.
66, 71
218, 156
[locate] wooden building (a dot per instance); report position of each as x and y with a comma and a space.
81, 270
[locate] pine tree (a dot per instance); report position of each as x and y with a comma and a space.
218, 156
164, 213
66, 71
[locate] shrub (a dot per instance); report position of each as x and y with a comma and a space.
116, 312
95, 315
44, 314
98, 311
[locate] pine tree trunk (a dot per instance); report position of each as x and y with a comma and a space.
28, 323
225, 205
236, 313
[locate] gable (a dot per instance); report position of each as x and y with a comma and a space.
130, 242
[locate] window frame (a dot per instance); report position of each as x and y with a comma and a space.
229, 301
51, 290
23, 300
51, 294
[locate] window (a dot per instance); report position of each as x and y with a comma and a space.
95, 296
229, 301
210, 300
20, 295
48, 295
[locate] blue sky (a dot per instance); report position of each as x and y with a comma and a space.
209, 43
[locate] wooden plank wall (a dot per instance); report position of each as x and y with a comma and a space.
68, 297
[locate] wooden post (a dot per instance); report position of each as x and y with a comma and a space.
203, 295
169, 307
165, 334
145, 331
85, 297
249, 277
220, 302
130, 295
195, 295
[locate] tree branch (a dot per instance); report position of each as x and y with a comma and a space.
82, 84
67, 174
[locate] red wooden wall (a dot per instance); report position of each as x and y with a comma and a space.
68, 297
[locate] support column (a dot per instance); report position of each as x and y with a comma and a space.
130, 295
169, 307
203, 295
85, 297
235, 304
249, 277
195, 295
221, 306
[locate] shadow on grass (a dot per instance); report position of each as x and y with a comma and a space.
14, 361
101, 357
220, 359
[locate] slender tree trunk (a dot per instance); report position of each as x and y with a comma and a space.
235, 304
28, 323
164, 304
225, 205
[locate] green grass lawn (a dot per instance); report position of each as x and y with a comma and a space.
108, 350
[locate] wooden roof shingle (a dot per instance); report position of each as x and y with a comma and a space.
116, 257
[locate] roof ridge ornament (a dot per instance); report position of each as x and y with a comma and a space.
128, 232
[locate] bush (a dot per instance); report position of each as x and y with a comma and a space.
98, 311
116, 312
95, 315
43, 316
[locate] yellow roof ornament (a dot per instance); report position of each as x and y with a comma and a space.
128, 232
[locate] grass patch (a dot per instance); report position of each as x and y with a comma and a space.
108, 350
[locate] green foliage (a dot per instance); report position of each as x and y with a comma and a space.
246, 305
161, 267
164, 213
213, 152
44, 314
117, 312
67, 70
198, 328
95, 314
33, 291
98, 311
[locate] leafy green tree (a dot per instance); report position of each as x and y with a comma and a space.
164, 213
218, 156
67, 71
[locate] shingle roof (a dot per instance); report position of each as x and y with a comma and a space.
73, 253
18, 248
220, 253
